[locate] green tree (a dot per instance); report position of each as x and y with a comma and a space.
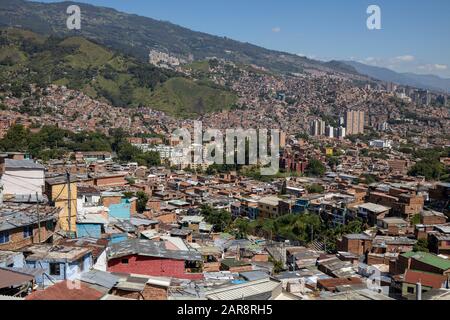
220, 219
369, 179
430, 169
421, 245
277, 266
142, 199
315, 188
333, 161
315, 168
16, 139
242, 228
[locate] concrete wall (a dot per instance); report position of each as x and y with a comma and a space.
17, 261
68, 271
23, 181
102, 262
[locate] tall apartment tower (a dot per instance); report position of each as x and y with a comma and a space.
354, 122
317, 128
329, 131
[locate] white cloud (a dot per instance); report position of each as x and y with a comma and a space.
276, 29
405, 58
390, 62
433, 67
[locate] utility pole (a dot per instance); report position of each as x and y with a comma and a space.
69, 203
38, 217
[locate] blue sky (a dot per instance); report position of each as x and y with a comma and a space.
414, 37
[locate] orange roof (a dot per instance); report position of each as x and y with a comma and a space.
426, 279
67, 290
332, 283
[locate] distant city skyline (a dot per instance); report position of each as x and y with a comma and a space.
412, 38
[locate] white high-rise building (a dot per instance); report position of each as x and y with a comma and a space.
317, 128
329, 132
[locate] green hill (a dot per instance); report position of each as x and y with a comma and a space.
186, 98
103, 74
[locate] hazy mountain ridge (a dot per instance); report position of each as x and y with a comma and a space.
430, 82
136, 35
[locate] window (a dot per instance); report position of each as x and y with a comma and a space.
81, 265
410, 289
55, 269
4, 237
124, 261
27, 232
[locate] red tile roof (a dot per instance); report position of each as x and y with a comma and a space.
426, 279
67, 290
331, 284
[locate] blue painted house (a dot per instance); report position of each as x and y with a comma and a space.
249, 208
301, 205
58, 262
118, 237
91, 226
11, 259
121, 210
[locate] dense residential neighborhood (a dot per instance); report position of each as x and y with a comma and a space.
128, 231
96, 202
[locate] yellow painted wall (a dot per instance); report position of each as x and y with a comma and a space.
60, 196
329, 151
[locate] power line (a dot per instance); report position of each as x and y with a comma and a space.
17, 176
25, 187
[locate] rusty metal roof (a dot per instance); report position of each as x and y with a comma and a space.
151, 249
9, 278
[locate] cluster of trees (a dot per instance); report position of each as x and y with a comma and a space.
301, 228
315, 188
429, 165
219, 218
421, 246
51, 142
315, 168
142, 199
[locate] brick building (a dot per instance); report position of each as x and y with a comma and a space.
154, 259
358, 244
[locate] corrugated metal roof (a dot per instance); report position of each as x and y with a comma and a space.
4, 298
22, 164
131, 286
254, 275
244, 290
34, 272
151, 249
18, 215
101, 278
10, 278
142, 222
